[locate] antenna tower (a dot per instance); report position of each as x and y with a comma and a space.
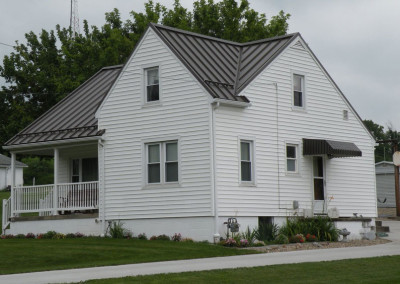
74, 18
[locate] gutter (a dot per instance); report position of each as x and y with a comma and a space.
102, 187
230, 103
216, 235
29, 146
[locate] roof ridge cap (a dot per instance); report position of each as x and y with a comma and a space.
195, 34
269, 39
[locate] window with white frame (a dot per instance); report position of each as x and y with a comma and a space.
246, 161
162, 162
152, 84
298, 90
291, 158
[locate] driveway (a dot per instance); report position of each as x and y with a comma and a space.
76, 275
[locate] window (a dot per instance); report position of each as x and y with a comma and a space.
75, 170
84, 170
298, 90
162, 162
152, 84
291, 158
345, 115
246, 161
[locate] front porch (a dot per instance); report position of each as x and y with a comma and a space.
75, 189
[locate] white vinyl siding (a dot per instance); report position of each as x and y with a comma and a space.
272, 121
183, 114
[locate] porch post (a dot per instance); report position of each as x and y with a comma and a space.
13, 199
55, 191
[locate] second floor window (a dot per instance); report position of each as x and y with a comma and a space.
152, 84
298, 90
246, 161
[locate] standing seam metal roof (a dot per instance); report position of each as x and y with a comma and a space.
74, 116
224, 67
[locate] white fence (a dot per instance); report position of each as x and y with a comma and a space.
51, 199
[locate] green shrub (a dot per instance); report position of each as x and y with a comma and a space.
49, 235
282, 239
249, 235
163, 238
20, 236
142, 236
117, 230
322, 228
266, 232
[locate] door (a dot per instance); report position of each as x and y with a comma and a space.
319, 185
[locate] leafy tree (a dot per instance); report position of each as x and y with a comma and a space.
39, 169
383, 152
42, 71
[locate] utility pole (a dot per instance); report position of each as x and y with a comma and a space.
74, 18
395, 148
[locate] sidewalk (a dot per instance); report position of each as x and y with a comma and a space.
76, 275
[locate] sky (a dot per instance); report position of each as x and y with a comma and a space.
357, 41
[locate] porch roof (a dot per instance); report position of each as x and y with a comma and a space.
74, 116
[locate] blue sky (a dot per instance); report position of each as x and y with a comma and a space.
357, 41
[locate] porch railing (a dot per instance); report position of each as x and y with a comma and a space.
69, 197
5, 220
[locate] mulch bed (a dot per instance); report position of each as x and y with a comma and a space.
318, 245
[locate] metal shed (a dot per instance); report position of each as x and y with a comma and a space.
385, 189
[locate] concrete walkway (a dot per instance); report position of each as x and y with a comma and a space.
76, 275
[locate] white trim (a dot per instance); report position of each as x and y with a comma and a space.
297, 148
252, 142
303, 76
32, 146
162, 142
231, 103
143, 72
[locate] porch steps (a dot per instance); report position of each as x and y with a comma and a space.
379, 228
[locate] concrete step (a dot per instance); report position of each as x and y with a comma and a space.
385, 229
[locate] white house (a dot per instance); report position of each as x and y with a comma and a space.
193, 130
5, 172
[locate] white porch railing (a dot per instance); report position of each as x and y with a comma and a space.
5, 220
70, 197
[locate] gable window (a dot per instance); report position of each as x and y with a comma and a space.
298, 90
152, 84
246, 161
291, 158
162, 162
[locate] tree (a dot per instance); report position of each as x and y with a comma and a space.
42, 71
383, 152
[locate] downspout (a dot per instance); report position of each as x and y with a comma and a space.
102, 187
216, 234
277, 146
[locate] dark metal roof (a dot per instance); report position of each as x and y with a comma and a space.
6, 161
74, 116
224, 67
334, 149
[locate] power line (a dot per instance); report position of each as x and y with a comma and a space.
6, 44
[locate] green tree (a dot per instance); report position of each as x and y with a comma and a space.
42, 71
40, 169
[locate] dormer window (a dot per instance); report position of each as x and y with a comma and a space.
298, 90
152, 84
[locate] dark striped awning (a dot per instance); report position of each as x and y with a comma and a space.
334, 149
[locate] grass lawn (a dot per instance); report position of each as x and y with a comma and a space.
367, 270
3, 195
27, 255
